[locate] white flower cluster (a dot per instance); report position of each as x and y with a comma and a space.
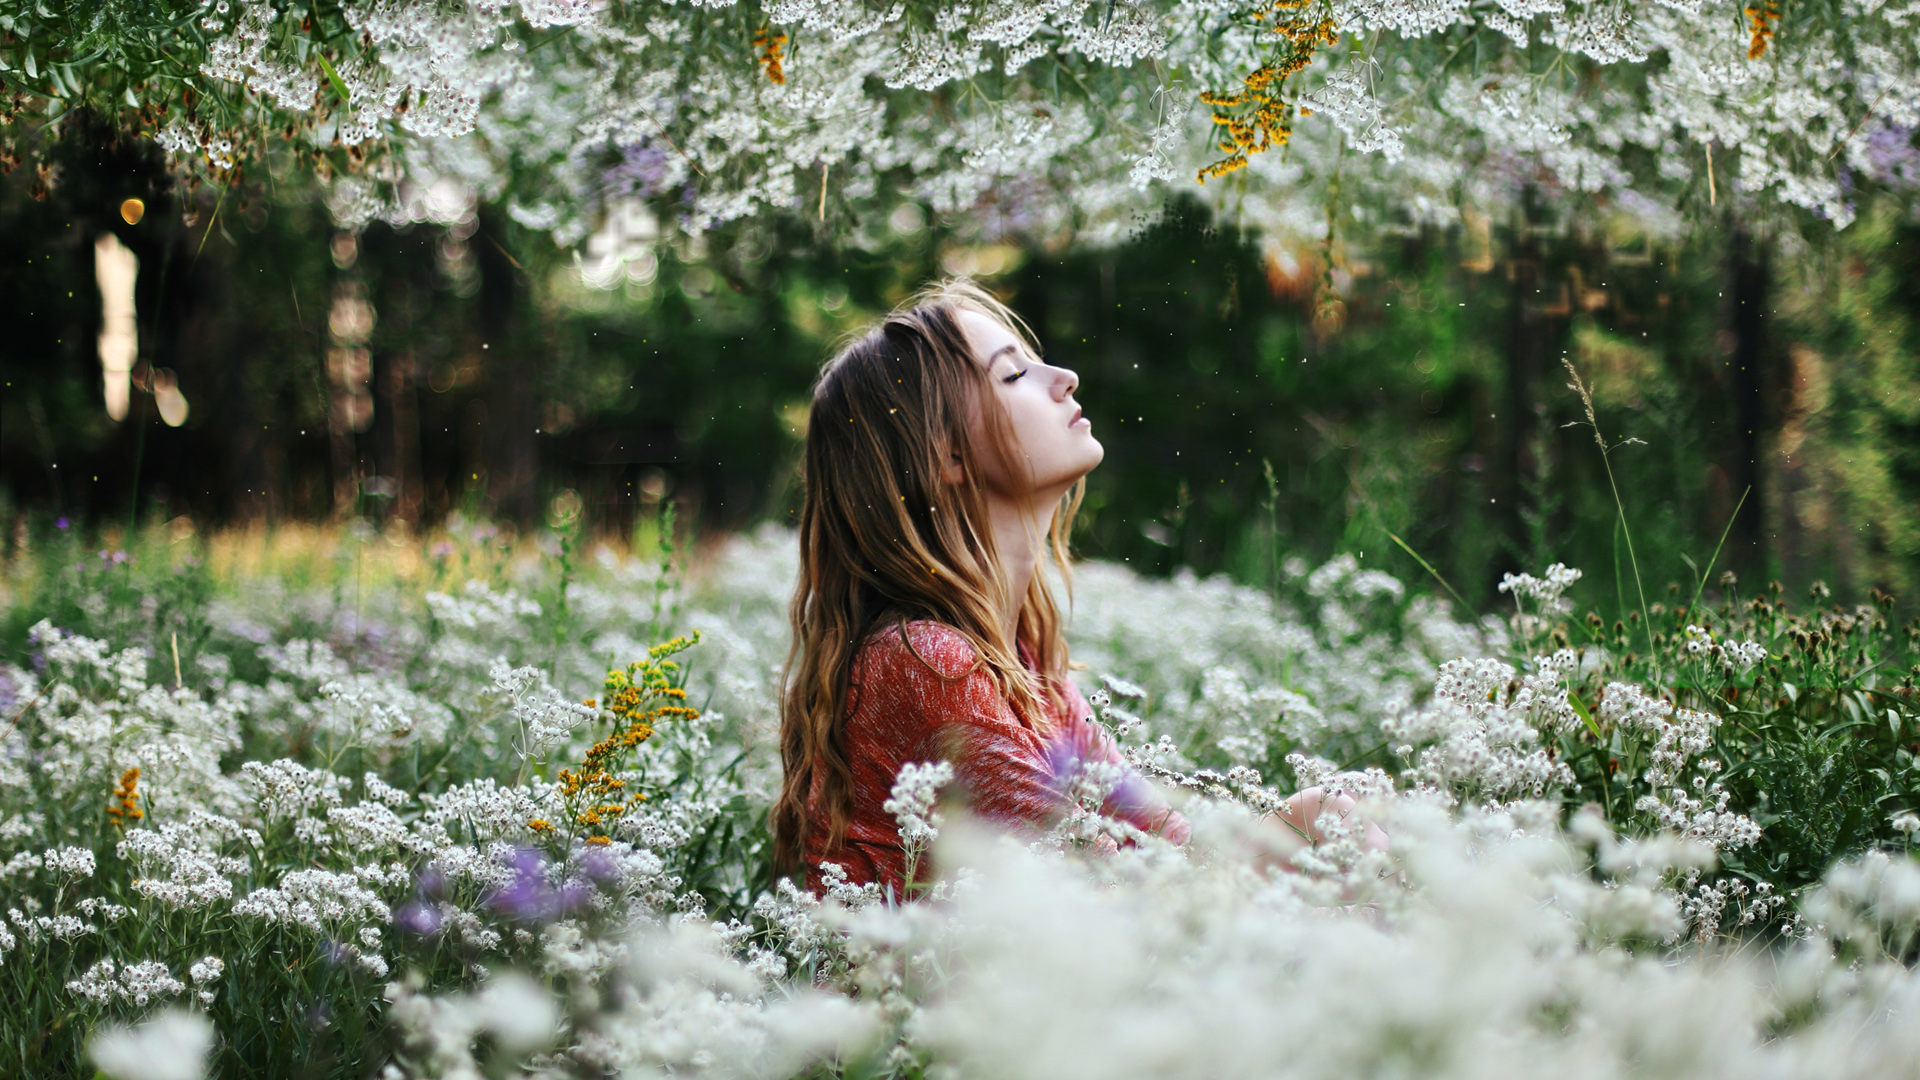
172, 1045
546, 718
1870, 900
1479, 898
1087, 785
1484, 727
240, 55
1504, 954
1730, 656
69, 862
517, 1012
106, 982
206, 969
74, 658
370, 710
1548, 592
715, 140
1703, 905
179, 864
569, 113
1222, 666
479, 609
1704, 818
38, 928
911, 801
1678, 734
1346, 99
287, 790
319, 901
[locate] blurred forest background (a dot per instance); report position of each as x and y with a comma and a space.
1407, 388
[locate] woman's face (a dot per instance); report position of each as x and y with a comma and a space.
1038, 399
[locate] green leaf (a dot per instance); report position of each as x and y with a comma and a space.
1573, 699
333, 78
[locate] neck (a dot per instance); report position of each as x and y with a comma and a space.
1012, 521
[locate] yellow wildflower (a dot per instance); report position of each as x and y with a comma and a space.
769, 45
1761, 15
636, 698
1258, 117
126, 797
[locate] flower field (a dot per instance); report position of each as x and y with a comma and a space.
353, 805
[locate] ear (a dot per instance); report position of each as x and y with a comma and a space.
952, 472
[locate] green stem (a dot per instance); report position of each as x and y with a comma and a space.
1632, 559
1716, 548
1424, 565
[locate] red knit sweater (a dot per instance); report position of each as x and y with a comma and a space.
1008, 773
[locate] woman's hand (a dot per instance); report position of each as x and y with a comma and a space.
1303, 809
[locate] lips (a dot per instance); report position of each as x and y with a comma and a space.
1076, 418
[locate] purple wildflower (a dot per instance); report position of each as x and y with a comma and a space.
528, 895
418, 917
600, 864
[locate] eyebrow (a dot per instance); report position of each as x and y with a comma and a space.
1015, 349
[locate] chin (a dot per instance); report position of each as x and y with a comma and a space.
1089, 463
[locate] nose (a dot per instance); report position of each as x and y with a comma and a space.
1069, 379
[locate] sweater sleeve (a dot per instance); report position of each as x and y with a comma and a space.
999, 763
1009, 773
1001, 767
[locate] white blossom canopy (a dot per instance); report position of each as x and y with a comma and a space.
1035, 117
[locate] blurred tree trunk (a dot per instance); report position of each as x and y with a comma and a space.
396, 405
404, 417
1522, 384
1537, 321
509, 442
1751, 272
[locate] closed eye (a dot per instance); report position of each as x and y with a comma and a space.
1013, 376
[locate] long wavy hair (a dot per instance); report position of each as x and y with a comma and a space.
881, 533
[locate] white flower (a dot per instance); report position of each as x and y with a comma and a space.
71, 862
1545, 591
105, 983
318, 900
546, 718
171, 1046
178, 866
915, 789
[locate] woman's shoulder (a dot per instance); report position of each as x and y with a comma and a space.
938, 644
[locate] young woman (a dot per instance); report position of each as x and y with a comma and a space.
939, 450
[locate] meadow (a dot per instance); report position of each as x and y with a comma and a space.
333, 802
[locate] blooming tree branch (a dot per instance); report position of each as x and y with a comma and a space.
1044, 116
